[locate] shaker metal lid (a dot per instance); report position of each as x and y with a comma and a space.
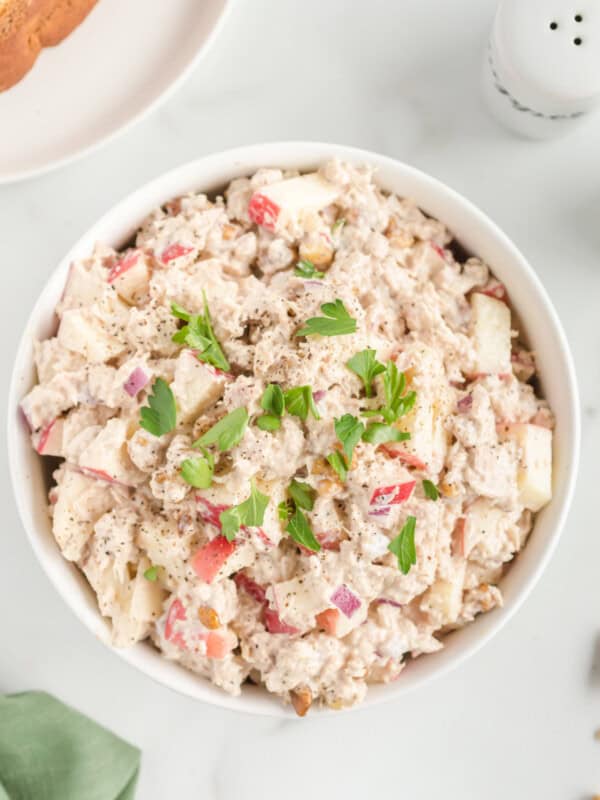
551, 48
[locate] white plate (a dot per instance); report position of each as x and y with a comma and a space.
125, 58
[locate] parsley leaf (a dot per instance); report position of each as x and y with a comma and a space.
274, 404
366, 366
161, 416
267, 422
272, 400
380, 433
338, 224
403, 546
336, 322
302, 494
301, 532
306, 269
198, 334
285, 509
250, 514
338, 462
151, 574
397, 404
348, 430
198, 472
227, 432
430, 489
299, 402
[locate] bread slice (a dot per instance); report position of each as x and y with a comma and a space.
26, 26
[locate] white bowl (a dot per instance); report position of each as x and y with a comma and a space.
478, 234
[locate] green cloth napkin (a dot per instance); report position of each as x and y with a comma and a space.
48, 751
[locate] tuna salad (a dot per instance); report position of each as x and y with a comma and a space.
299, 437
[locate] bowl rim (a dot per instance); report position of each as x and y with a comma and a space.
230, 164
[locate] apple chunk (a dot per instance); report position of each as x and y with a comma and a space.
491, 334
534, 474
275, 205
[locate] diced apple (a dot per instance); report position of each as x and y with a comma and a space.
146, 596
534, 473
195, 386
49, 441
106, 455
299, 600
275, 205
84, 287
175, 614
428, 442
130, 276
274, 623
483, 521
443, 601
79, 504
491, 334
209, 559
82, 332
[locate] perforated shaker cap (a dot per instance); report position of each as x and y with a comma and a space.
549, 52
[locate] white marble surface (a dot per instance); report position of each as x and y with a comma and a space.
399, 77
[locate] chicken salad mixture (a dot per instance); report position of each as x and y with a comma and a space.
300, 441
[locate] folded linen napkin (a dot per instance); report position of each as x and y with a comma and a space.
48, 751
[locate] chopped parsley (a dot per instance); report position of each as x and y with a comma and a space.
397, 404
299, 401
160, 416
336, 322
306, 269
198, 335
380, 433
151, 574
349, 430
302, 494
338, 462
301, 532
338, 225
198, 472
366, 366
273, 402
227, 432
250, 514
403, 546
430, 489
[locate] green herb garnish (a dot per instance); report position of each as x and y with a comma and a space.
161, 415
198, 334
403, 546
380, 433
301, 532
285, 509
302, 494
227, 432
397, 404
339, 223
336, 322
348, 429
198, 472
300, 401
338, 462
151, 574
273, 403
366, 366
250, 514
306, 269
430, 489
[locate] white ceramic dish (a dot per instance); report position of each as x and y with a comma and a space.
479, 235
119, 64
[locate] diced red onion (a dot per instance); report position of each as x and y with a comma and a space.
386, 601
318, 396
465, 403
313, 282
136, 382
345, 600
380, 512
255, 590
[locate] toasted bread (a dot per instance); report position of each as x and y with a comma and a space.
26, 26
